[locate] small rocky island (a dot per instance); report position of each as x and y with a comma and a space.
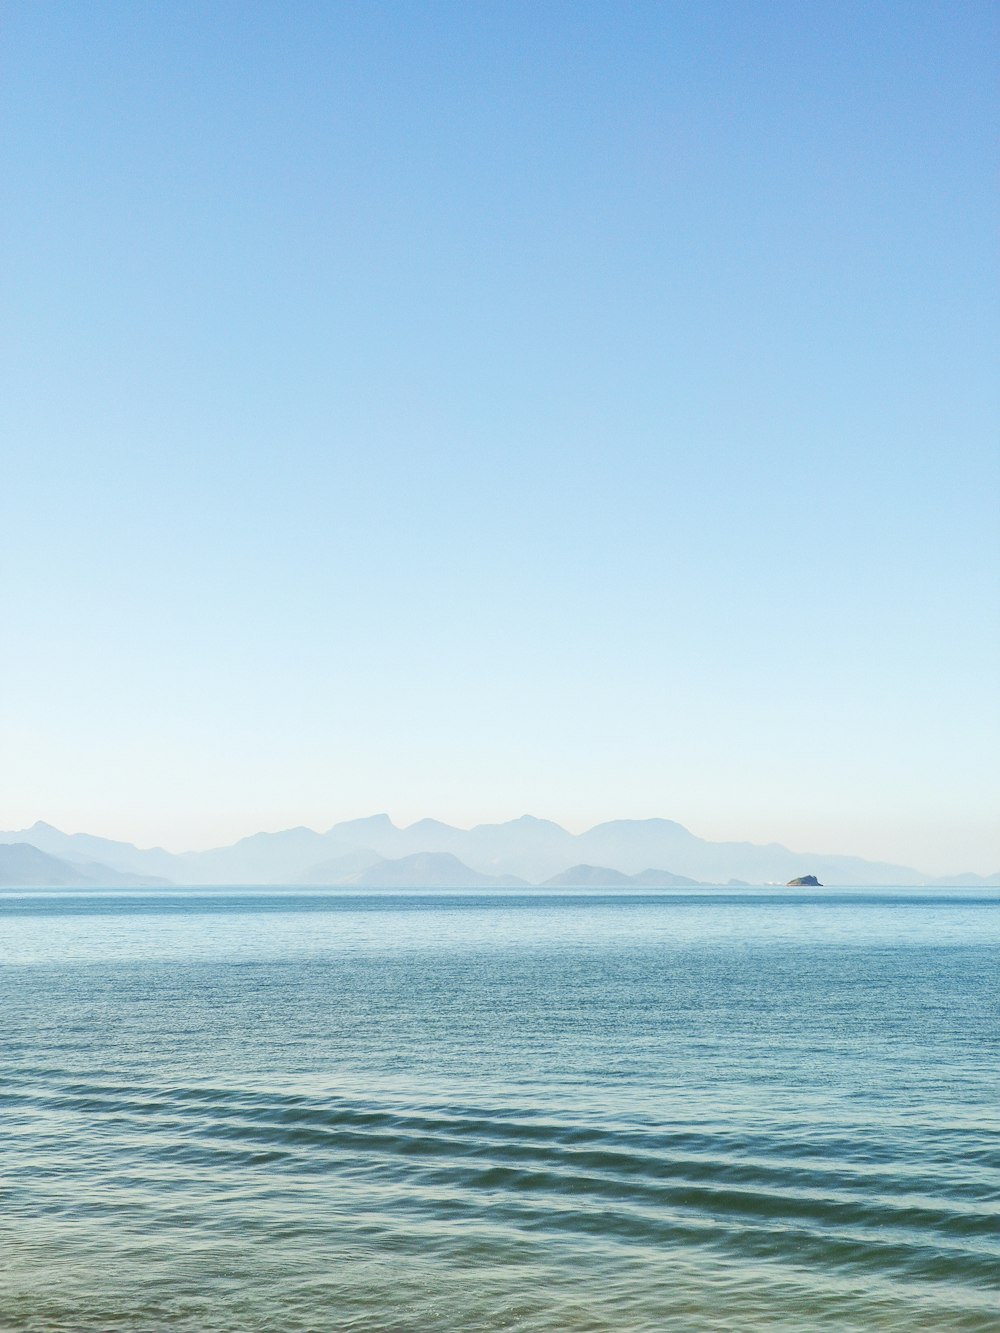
804, 882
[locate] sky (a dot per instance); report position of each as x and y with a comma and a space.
464, 409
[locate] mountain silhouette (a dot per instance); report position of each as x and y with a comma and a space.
526, 849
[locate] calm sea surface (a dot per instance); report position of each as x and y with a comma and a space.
290, 1110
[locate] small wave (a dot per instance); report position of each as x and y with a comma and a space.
761, 1199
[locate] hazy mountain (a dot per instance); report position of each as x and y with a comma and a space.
663, 879
967, 881
376, 832
587, 877
25, 866
536, 849
341, 869
80, 848
429, 870
529, 849
632, 844
263, 858
428, 835
602, 877
22, 865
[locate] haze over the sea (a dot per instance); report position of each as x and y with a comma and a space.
374, 852
469, 409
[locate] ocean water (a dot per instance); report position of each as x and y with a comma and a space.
711, 1110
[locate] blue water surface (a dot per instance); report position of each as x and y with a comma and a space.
576, 1110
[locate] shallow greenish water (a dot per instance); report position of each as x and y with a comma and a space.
717, 1110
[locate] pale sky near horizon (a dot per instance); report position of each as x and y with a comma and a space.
465, 409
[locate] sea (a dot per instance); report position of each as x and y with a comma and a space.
688, 1109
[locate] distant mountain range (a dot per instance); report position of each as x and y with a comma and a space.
375, 852
24, 866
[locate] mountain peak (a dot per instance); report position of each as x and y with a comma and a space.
380, 823
651, 825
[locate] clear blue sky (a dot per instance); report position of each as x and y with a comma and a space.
471, 408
